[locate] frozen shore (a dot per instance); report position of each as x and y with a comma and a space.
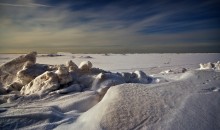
114, 91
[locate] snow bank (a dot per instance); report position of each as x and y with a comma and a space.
183, 104
34, 112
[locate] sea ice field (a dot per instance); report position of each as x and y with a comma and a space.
166, 91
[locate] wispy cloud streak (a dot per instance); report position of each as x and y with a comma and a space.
25, 5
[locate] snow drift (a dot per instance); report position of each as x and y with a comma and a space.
183, 104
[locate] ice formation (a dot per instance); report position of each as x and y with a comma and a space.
29, 72
46, 82
103, 80
217, 65
209, 65
63, 75
206, 66
140, 77
85, 66
9, 70
24, 75
31, 78
71, 66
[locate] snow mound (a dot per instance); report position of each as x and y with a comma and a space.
182, 104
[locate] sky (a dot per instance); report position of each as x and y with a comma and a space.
109, 26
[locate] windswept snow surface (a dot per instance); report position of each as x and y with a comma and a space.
183, 98
151, 63
190, 103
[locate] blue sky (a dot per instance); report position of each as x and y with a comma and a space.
103, 26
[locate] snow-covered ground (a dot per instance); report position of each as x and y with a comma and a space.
168, 93
128, 62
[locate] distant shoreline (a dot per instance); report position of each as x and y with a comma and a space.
128, 53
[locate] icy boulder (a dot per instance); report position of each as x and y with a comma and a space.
127, 76
140, 77
104, 81
85, 66
63, 75
136, 77
208, 66
217, 65
9, 70
29, 72
46, 82
71, 66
